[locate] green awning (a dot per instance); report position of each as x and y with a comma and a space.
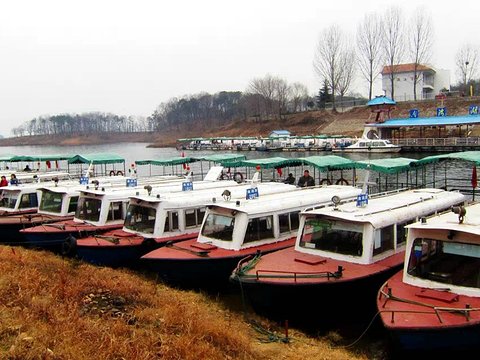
388, 165
472, 156
6, 157
221, 158
96, 159
179, 160
329, 162
266, 163
52, 157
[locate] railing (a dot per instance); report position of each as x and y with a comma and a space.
451, 141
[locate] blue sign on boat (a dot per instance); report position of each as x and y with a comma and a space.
414, 113
187, 186
131, 182
252, 193
362, 200
441, 111
84, 180
473, 110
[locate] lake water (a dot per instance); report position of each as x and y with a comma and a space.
131, 152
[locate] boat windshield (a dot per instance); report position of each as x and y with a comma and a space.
334, 236
51, 201
140, 218
445, 262
219, 227
8, 199
88, 209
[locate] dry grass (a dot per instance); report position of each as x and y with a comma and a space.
53, 308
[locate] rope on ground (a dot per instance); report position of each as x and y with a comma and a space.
361, 335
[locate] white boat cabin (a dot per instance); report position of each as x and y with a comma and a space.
266, 220
174, 214
443, 252
18, 198
369, 229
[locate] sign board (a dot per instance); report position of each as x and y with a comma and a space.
132, 182
187, 186
362, 200
441, 111
473, 110
414, 113
252, 193
84, 180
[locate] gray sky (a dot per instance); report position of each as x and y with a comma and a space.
126, 57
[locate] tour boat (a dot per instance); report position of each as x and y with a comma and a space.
434, 303
370, 146
232, 231
101, 208
341, 256
153, 221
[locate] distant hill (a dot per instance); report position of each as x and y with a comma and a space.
349, 123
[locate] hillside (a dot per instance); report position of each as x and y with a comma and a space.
349, 123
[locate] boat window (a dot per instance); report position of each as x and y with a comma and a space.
402, 232
140, 218
259, 229
88, 209
445, 262
288, 222
194, 217
115, 211
72, 207
219, 227
51, 201
384, 240
171, 221
8, 199
334, 236
362, 144
28, 201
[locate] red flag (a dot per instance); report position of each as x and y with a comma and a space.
48, 164
279, 171
474, 177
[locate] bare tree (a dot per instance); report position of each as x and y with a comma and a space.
299, 93
393, 42
369, 49
466, 61
347, 71
327, 58
420, 44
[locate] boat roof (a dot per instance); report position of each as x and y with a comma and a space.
303, 197
329, 162
219, 158
265, 163
388, 165
96, 158
471, 156
450, 221
205, 196
392, 207
176, 160
429, 121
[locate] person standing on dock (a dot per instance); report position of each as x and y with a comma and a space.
306, 180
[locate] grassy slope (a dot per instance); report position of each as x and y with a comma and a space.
54, 308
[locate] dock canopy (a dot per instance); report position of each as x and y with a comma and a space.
388, 165
221, 158
471, 156
267, 163
431, 121
178, 160
96, 159
381, 100
51, 157
329, 162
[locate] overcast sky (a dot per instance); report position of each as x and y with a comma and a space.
126, 57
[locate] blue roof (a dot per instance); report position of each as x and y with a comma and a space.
280, 132
381, 100
430, 121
